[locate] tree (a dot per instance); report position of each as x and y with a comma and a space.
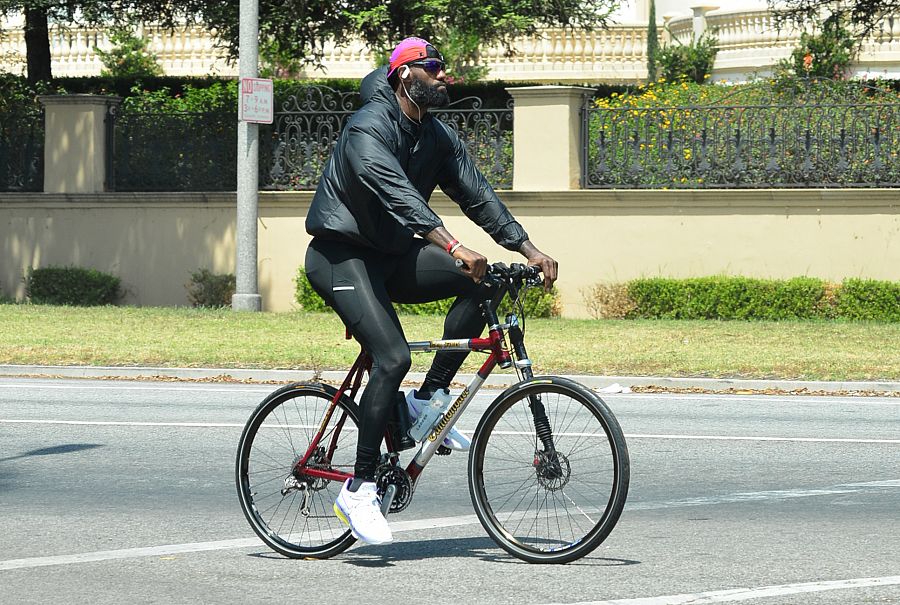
129, 57
865, 15
294, 32
39, 13
652, 43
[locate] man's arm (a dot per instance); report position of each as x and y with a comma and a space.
461, 180
468, 187
474, 264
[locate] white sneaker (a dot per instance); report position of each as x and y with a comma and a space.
455, 440
361, 510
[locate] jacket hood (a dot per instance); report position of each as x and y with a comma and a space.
375, 87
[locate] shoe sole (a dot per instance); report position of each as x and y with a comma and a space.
346, 520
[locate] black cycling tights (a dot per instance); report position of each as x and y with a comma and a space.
360, 283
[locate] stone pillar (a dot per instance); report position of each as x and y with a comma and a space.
547, 146
700, 19
666, 34
75, 142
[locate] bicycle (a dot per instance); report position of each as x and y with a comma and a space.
299, 445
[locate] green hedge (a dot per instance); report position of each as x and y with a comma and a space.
868, 299
537, 303
746, 298
210, 290
74, 286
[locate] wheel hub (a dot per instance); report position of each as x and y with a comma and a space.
552, 470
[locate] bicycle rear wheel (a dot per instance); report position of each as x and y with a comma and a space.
290, 512
548, 505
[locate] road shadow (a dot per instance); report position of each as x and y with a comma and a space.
481, 547
67, 448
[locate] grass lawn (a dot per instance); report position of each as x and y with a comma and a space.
123, 336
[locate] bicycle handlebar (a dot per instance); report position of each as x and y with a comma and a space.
500, 272
515, 272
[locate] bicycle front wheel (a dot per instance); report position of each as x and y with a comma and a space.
548, 470
292, 513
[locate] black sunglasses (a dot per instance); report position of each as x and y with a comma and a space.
432, 66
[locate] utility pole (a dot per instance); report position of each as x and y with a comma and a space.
246, 297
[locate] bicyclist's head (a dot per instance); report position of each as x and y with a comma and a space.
417, 70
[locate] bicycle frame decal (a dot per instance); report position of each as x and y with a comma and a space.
430, 445
449, 414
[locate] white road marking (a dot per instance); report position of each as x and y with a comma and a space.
440, 522
241, 388
785, 494
470, 429
92, 385
761, 438
125, 423
745, 594
170, 549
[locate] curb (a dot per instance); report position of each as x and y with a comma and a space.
495, 380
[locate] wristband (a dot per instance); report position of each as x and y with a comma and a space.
450, 246
454, 247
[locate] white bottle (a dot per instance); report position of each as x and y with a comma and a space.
430, 414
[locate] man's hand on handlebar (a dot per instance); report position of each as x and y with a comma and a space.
536, 258
473, 264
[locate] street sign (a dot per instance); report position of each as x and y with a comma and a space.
257, 102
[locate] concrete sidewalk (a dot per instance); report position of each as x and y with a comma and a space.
496, 380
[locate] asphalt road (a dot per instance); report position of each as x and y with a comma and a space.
116, 492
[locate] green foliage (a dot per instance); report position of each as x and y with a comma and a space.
129, 56
208, 289
293, 32
74, 286
306, 297
743, 298
723, 297
867, 16
652, 44
16, 94
868, 299
6, 300
693, 61
220, 97
827, 54
669, 119
537, 302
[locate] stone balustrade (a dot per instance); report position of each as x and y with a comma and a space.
749, 41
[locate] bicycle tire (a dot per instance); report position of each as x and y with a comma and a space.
577, 494
275, 437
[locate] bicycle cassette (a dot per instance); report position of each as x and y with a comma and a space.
388, 474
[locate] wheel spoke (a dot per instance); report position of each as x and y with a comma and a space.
549, 504
279, 432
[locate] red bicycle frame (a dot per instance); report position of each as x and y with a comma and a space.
499, 354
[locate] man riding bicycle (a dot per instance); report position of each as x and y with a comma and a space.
376, 240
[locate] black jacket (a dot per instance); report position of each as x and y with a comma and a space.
374, 189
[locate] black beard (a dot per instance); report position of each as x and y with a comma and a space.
429, 96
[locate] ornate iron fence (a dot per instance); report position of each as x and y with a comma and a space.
197, 151
307, 127
807, 134
303, 136
22, 150
157, 151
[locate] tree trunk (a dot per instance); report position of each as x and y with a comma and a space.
37, 44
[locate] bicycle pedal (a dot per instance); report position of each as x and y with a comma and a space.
443, 450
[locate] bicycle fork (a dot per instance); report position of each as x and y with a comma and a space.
547, 463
